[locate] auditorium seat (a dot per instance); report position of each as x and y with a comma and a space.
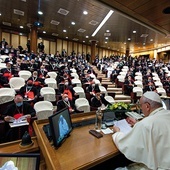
43, 109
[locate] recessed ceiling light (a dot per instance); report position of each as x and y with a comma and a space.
21, 26
0, 14
66, 37
20, 33
73, 23
129, 39
85, 12
143, 43
64, 30
134, 32
83, 41
105, 42
151, 39
40, 12
106, 38
44, 32
124, 43
107, 30
87, 36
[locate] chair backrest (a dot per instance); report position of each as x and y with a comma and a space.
3, 57
48, 93
43, 109
6, 95
103, 90
75, 75
2, 65
110, 99
138, 91
25, 74
51, 82
79, 91
161, 91
77, 82
16, 82
52, 74
82, 104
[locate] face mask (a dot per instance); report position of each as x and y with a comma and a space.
66, 84
66, 99
29, 86
19, 104
93, 85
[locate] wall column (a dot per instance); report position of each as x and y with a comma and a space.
93, 50
33, 39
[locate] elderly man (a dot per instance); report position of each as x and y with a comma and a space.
16, 110
147, 143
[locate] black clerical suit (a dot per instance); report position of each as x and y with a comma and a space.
17, 132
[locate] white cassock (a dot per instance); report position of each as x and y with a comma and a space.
149, 141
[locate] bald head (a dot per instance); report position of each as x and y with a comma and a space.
18, 99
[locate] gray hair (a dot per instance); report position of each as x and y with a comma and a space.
152, 103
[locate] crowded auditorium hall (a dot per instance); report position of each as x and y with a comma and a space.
85, 78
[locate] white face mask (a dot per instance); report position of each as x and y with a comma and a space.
66, 99
66, 83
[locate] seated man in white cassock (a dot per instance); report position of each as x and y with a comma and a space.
148, 143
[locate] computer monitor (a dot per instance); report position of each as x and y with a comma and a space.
61, 126
109, 118
20, 161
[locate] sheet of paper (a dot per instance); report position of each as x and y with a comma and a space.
123, 125
107, 131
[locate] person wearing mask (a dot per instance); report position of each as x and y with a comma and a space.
29, 92
65, 102
16, 110
68, 89
147, 144
42, 73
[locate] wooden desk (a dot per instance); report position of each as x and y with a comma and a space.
79, 151
13, 147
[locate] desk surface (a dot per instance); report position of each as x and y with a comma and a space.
79, 151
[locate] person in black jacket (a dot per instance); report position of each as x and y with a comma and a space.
65, 102
98, 100
15, 110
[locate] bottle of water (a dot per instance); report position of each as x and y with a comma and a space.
98, 122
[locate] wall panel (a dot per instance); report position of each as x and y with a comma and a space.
23, 41
14, 40
46, 46
70, 47
52, 47
84, 49
59, 46
65, 45
75, 48
7, 37
100, 53
80, 48
89, 49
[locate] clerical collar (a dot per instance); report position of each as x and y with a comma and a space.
156, 110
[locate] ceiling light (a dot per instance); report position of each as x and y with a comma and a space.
105, 42
64, 30
124, 43
66, 37
21, 26
20, 33
0, 14
134, 32
151, 39
103, 22
129, 39
83, 41
106, 38
85, 12
40, 12
107, 30
87, 36
44, 32
73, 23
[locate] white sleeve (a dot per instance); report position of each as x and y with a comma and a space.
116, 136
